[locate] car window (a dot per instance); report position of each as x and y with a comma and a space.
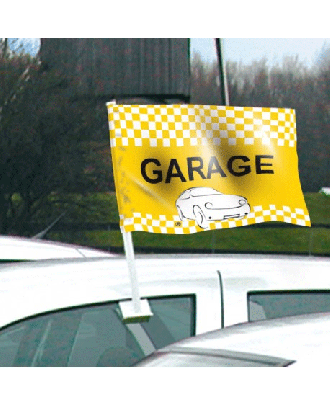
272, 304
95, 335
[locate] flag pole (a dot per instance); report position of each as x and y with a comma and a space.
137, 309
129, 252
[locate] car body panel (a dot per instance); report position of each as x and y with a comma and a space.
30, 249
296, 339
31, 288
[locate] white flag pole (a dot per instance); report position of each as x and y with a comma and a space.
129, 252
135, 309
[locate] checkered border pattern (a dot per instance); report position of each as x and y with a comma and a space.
174, 125
259, 214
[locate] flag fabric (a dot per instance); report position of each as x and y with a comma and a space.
181, 169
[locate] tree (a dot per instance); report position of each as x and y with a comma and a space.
289, 85
46, 146
205, 87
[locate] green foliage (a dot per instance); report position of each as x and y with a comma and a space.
304, 240
47, 151
291, 85
55, 151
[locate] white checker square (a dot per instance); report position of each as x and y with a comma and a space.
178, 230
248, 114
230, 113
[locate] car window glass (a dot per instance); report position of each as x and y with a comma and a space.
269, 305
174, 319
95, 335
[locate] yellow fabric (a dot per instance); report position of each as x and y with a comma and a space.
159, 151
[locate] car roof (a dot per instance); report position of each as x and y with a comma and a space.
29, 288
33, 287
292, 338
14, 248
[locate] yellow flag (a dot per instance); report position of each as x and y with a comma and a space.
181, 169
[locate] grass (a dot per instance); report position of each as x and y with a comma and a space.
302, 240
244, 239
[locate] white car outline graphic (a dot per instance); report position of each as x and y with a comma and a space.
205, 204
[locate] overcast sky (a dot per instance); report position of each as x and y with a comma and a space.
246, 49
249, 49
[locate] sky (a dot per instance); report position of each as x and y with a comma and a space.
250, 49
246, 50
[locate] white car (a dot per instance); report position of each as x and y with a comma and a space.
204, 204
285, 342
30, 249
67, 312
